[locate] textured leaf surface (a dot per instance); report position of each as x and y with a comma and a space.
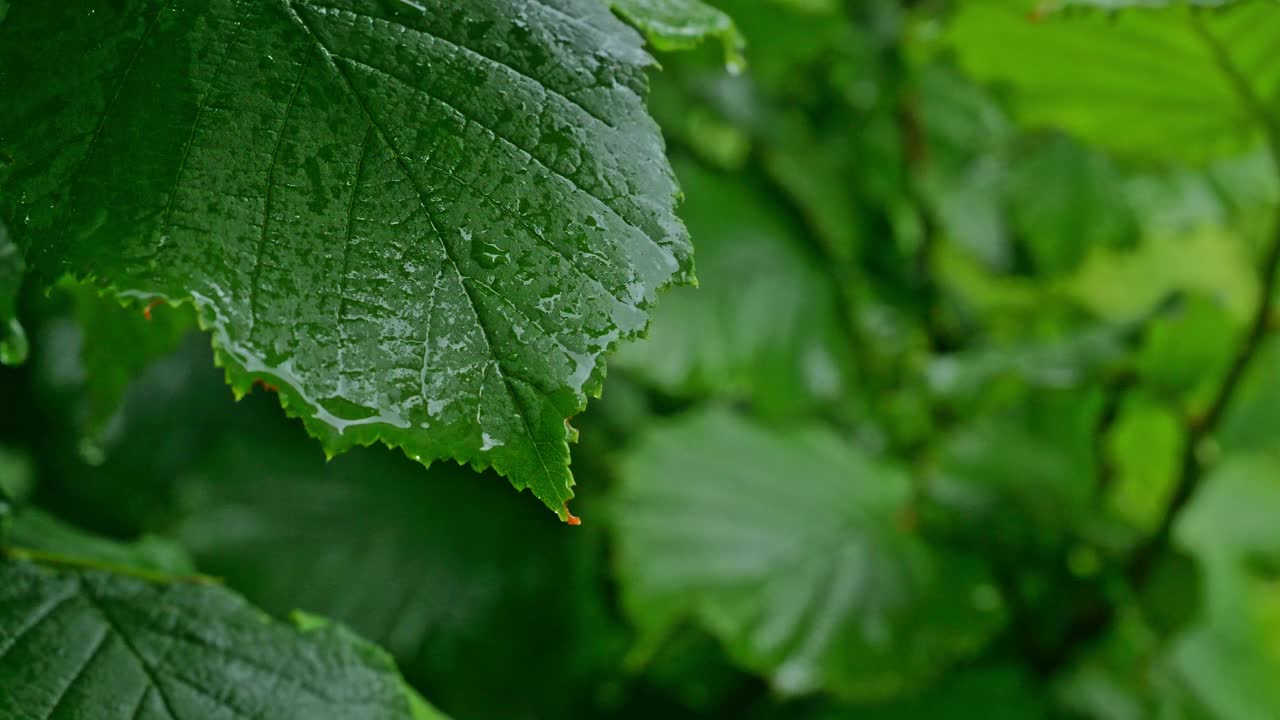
791, 549
92, 644
427, 223
1158, 84
763, 323
683, 24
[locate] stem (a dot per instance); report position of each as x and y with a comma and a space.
1192, 466
59, 560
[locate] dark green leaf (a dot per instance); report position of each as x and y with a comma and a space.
798, 553
439, 259
763, 323
34, 530
430, 565
92, 644
13, 340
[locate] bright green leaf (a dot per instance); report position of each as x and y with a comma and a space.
438, 259
682, 25
1155, 84
798, 553
1231, 658
93, 644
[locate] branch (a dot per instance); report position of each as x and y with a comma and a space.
1192, 466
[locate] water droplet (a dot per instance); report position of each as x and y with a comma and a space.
486, 254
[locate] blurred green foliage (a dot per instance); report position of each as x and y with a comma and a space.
975, 413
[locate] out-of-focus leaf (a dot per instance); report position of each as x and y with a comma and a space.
1022, 477
763, 323
798, 553
1143, 451
13, 339
17, 475
1066, 362
97, 349
683, 24
980, 693
434, 565
1188, 348
1066, 200
967, 166
95, 644
170, 415
33, 529
1231, 659
1155, 84
1254, 414
1128, 284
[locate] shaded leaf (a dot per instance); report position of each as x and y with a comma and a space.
13, 339
795, 551
108, 646
763, 323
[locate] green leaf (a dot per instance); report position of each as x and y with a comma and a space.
91, 366
34, 530
436, 259
13, 339
1064, 201
94, 644
1160, 84
798, 553
1021, 477
980, 693
426, 564
1231, 658
1127, 285
764, 322
683, 25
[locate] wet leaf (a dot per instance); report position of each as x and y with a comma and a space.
425, 223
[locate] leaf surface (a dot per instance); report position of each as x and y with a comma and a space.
426, 223
794, 550
764, 322
683, 24
1166, 85
94, 644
